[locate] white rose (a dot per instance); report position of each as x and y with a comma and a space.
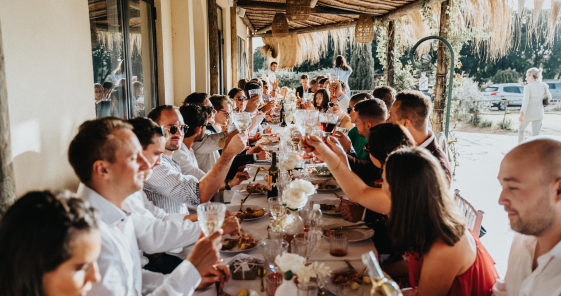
294, 198
292, 262
303, 185
290, 164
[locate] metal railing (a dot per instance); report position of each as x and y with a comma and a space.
501, 102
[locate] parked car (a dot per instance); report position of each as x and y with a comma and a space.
504, 91
554, 89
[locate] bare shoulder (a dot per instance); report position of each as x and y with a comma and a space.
458, 257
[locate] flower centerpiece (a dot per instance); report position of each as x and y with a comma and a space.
294, 197
293, 267
292, 161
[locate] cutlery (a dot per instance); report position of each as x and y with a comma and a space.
258, 170
349, 264
261, 273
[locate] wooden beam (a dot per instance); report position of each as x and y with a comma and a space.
264, 30
248, 23
7, 181
407, 9
234, 44
389, 54
250, 55
314, 29
281, 7
213, 45
441, 70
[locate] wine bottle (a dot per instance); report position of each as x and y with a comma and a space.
273, 176
381, 285
283, 121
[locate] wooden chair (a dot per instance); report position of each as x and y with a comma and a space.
473, 217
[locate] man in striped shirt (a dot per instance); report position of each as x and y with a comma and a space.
173, 191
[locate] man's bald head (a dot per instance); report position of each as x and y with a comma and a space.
541, 154
530, 176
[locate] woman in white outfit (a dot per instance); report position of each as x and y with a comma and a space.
532, 105
343, 71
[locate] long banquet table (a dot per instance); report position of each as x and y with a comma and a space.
355, 249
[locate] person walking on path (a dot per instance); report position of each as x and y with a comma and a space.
343, 71
532, 105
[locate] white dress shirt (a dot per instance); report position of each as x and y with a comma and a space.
521, 280
170, 189
343, 102
188, 162
119, 260
206, 150
269, 76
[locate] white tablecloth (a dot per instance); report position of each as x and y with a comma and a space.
355, 249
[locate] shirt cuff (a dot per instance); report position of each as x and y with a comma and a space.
255, 157
184, 279
363, 214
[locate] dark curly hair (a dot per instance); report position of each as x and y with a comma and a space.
195, 98
194, 116
36, 235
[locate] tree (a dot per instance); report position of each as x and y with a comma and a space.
259, 60
362, 64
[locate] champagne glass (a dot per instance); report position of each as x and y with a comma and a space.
273, 248
211, 216
242, 120
276, 209
328, 123
306, 120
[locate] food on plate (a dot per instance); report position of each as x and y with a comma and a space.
355, 286
250, 213
319, 170
325, 207
244, 242
322, 185
346, 276
366, 280
243, 292
256, 188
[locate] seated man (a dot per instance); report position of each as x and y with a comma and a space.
108, 159
358, 141
411, 109
530, 176
162, 231
168, 187
314, 86
386, 94
338, 95
304, 88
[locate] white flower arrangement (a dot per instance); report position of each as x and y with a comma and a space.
292, 264
296, 196
291, 162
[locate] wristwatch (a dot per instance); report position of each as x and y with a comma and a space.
226, 186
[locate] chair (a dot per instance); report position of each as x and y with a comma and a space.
442, 142
473, 217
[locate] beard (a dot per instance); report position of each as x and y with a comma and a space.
171, 146
536, 219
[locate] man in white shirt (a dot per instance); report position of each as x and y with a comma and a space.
170, 189
107, 157
530, 176
340, 98
269, 74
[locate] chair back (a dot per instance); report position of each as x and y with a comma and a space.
473, 217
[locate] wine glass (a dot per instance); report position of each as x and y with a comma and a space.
276, 209
211, 216
242, 120
306, 120
273, 248
328, 122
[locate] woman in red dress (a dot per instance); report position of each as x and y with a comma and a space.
445, 257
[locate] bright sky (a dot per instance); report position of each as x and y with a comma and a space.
257, 42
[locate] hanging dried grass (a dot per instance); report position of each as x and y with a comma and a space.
280, 26
364, 30
298, 10
521, 6
552, 21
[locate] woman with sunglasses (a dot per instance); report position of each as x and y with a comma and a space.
49, 246
344, 119
237, 95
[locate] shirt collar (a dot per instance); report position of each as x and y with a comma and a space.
342, 96
530, 242
428, 141
109, 212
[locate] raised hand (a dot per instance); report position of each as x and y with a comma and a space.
206, 252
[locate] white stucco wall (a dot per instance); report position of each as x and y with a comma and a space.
49, 77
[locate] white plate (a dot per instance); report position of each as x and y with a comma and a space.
234, 209
325, 182
269, 141
324, 173
236, 249
355, 235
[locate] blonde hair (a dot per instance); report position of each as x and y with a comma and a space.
536, 73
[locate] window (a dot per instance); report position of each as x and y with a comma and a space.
123, 54
554, 85
513, 89
491, 89
242, 59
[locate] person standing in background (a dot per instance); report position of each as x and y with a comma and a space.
343, 71
532, 105
269, 74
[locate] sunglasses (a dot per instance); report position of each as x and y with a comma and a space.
174, 128
241, 99
349, 110
227, 114
331, 104
160, 130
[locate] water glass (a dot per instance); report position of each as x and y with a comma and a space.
275, 235
242, 120
308, 289
273, 248
276, 209
211, 216
300, 246
339, 243
305, 214
273, 281
306, 120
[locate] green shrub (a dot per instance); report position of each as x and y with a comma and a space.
484, 123
557, 107
507, 76
507, 125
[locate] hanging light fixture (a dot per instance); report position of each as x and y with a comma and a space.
280, 26
298, 10
364, 30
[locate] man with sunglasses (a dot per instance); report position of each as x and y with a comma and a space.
169, 188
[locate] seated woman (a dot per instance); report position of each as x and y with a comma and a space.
237, 95
344, 119
321, 100
49, 246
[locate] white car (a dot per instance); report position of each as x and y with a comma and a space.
554, 89
504, 91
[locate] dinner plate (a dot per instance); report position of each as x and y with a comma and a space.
236, 249
325, 183
332, 287
269, 141
243, 189
324, 171
234, 209
331, 212
252, 169
355, 235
